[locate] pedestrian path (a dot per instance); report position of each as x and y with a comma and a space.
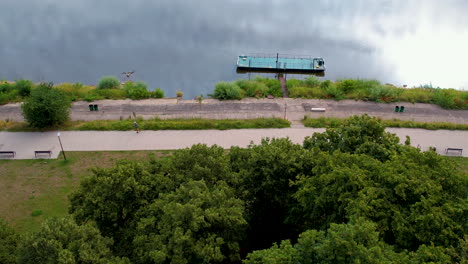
25, 143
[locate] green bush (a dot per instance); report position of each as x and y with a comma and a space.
333, 92
383, 93
227, 91
6, 87
23, 87
46, 107
158, 93
444, 97
137, 91
108, 82
312, 81
252, 88
291, 83
8, 97
275, 91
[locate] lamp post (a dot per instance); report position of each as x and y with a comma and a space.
63, 152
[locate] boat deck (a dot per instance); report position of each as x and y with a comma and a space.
274, 63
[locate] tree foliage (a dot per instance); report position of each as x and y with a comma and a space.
46, 107
340, 243
193, 224
9, 241
63, 241
349, 195
360, 135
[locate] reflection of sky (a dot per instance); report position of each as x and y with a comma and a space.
190, 45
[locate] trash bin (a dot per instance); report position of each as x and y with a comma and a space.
397, 109
402, 109
91, 108
96, 107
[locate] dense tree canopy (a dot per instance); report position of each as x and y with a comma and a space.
352, 194
63, 241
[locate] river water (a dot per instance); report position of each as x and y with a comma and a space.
190, 45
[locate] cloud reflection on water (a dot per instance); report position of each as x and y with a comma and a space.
190, 45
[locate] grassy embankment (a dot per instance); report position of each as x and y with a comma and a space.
365, 90
310, 88
335, 122
33, 190
155, 124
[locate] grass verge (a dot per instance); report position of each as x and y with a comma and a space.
34, 190
335, 122
155, 124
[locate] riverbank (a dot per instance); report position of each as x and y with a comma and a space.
294, 110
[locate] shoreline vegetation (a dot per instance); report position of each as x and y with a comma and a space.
310, 88
152, 124
333, 122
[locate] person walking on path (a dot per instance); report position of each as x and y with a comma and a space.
135, 124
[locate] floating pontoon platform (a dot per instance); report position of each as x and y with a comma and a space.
277, 63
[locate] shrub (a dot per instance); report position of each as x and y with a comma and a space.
136, 91
6, 87
158, 93
23, 87
444, 97
8, 97
312, 81
346, 86
294, 83
275, 91
252, 88
383, 94
227, 91
108, 82
179, 94
46, 107
333, 92
300, 92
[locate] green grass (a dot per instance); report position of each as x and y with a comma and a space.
34, 190
335, 122
155, 124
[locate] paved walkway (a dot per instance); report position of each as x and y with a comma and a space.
25, 143
289, 108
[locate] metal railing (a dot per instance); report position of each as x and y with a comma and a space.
273, 55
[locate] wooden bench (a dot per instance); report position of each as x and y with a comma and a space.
8, 153
41, 152
458, 151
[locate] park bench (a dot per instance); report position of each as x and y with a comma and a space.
7, 153
454, 151
317, 109
42, 152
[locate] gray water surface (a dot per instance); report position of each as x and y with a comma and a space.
190, 45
